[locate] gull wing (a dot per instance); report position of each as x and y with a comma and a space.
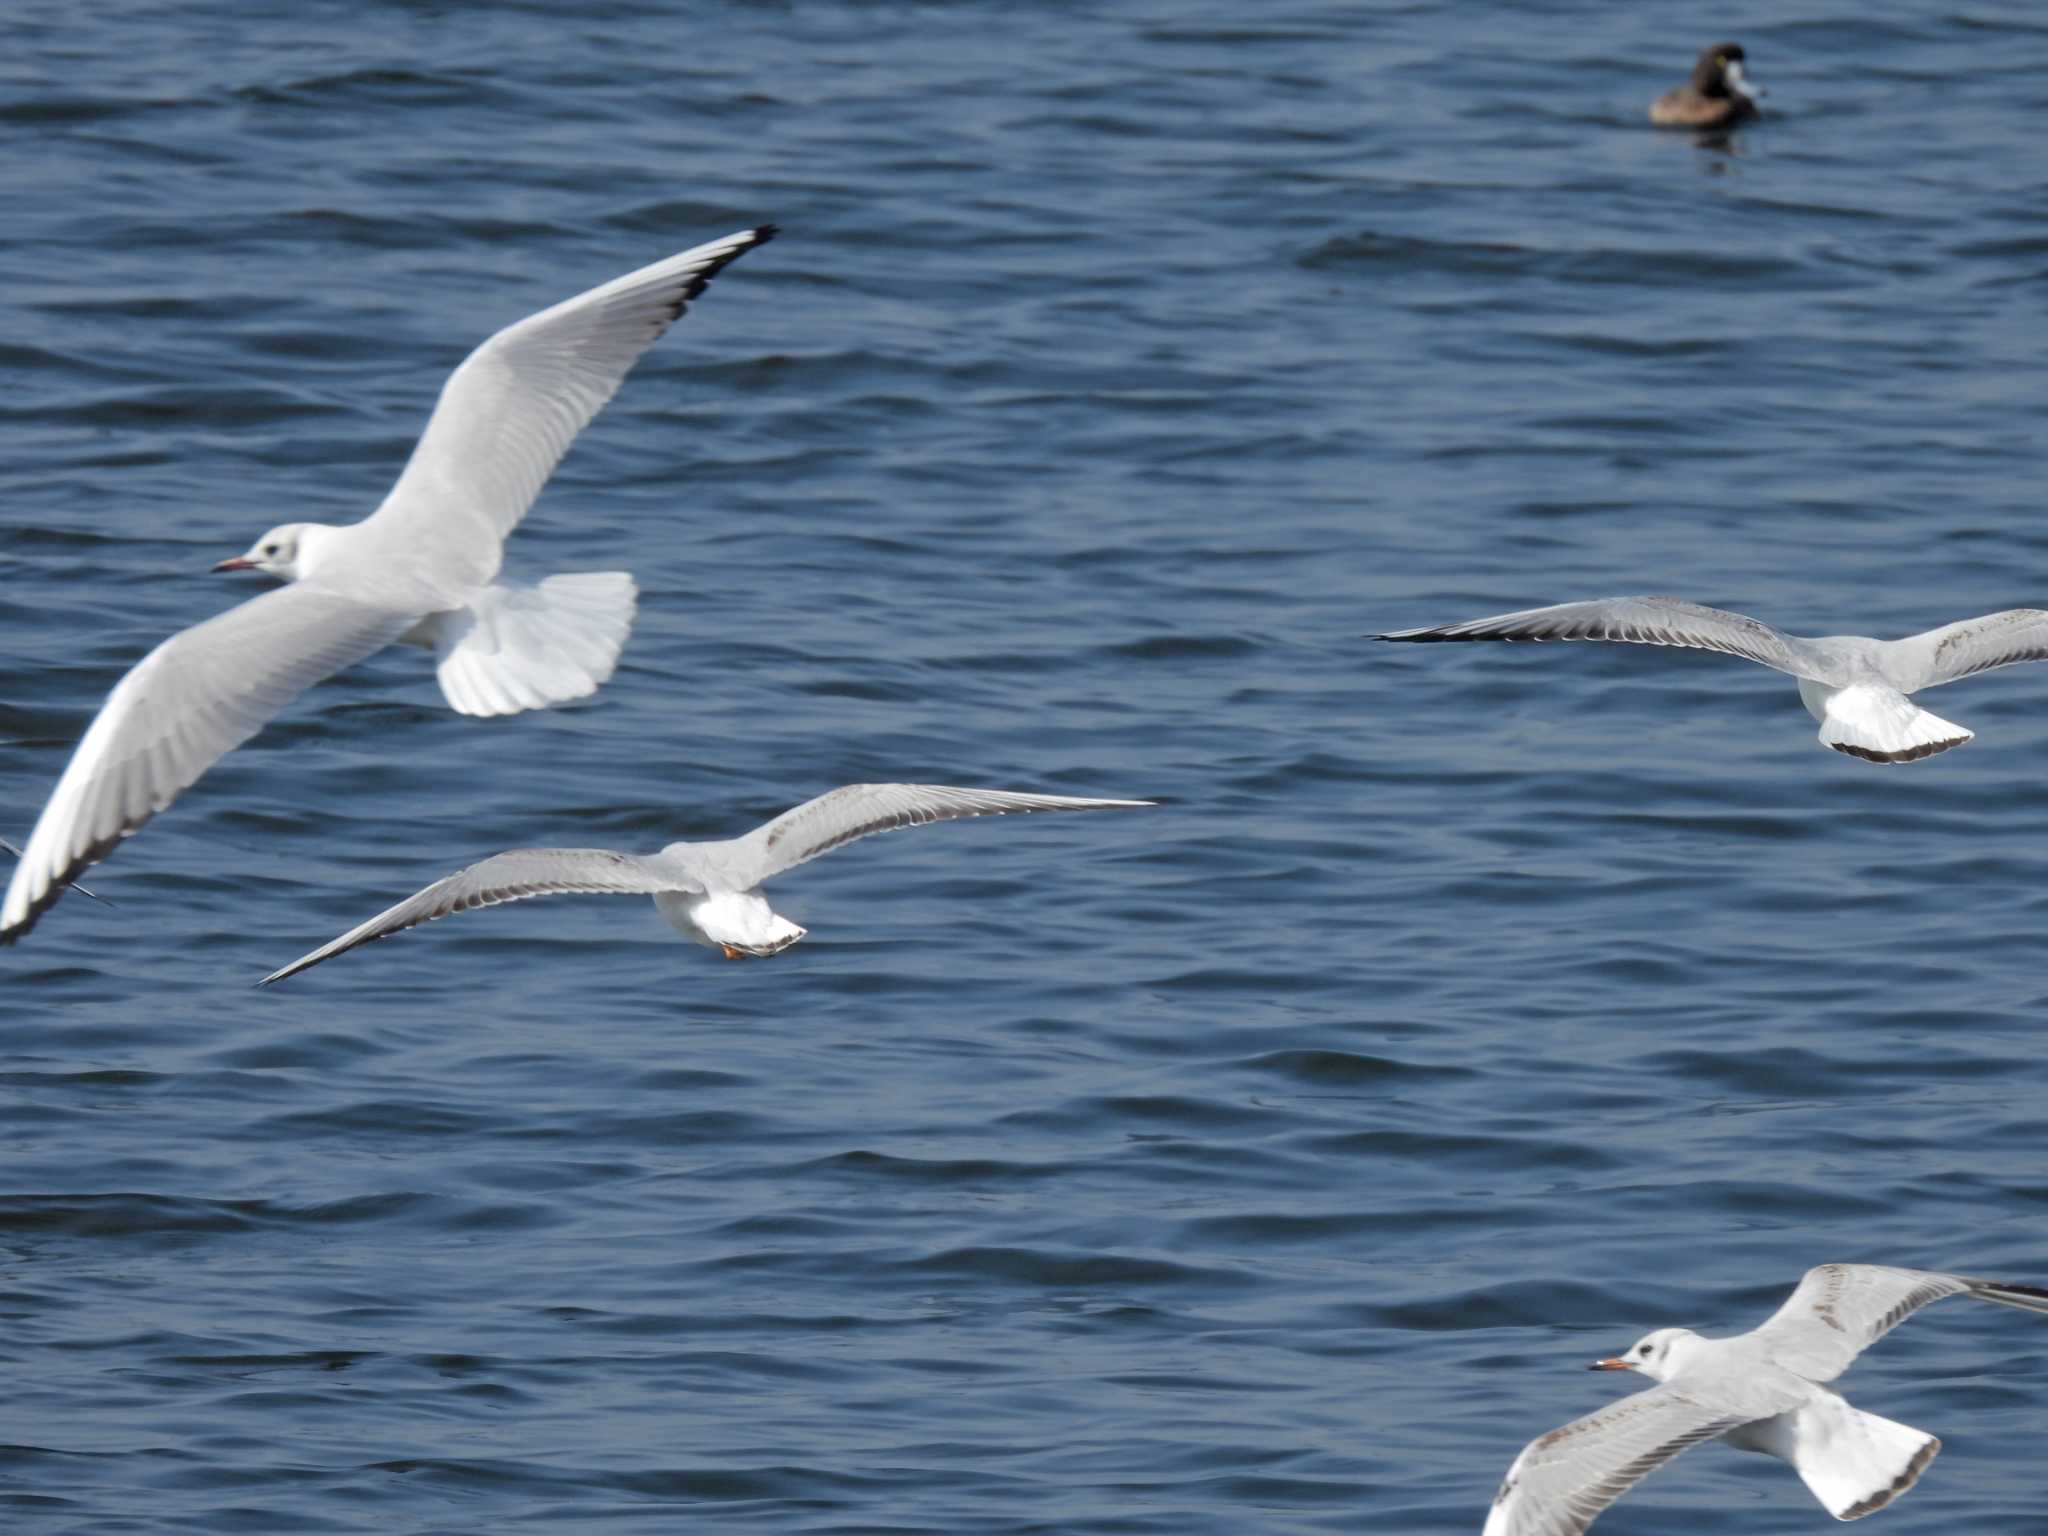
1564, 1479
1840, 1310
509, 412
182, 708
859, 810
514, 876
8, 847
1638, 620
1968, 646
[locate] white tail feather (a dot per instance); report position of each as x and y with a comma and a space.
1854, 1462
516, 647
1879, 724
738, 922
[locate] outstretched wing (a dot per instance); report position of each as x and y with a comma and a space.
1969, 646
182, 708
514, 876
1840, 1310
858, 810
1636, 620
509, 412
1562, 1480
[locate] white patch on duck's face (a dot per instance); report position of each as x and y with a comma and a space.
738, 922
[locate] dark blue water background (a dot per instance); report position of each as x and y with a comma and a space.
1268, 1162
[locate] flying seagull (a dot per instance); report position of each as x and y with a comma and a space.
1855, 687
709, 892
1759, 1391
422, 568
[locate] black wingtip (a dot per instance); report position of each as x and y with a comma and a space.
2033, 1293
694, 289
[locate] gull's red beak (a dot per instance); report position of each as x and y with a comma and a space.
1611, 1363
239, 563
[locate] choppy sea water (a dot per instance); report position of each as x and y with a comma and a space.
1268, 1161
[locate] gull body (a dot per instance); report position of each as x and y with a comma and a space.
1760, 1391
1719, 93
1856, 687
709, 892
423, 568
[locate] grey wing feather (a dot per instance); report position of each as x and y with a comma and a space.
860, 810
1839, 1310
1564, 1479
11, 848
1969, 646
514, 876
182, 708
1635, 620
510, 411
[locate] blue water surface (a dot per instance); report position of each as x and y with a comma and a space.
1270, 1161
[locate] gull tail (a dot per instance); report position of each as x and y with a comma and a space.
518, 647
1879, 724
738, 922
1854, 1462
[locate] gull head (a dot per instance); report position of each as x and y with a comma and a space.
739, 923
1657, 1355
284, 552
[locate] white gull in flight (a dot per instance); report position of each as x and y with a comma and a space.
709, 892
1759, 1391
1855, 687
422, 568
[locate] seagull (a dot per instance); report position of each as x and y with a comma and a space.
1854, 686
423, 568
709, 892
1759, 1391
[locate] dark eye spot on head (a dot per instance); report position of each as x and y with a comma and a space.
270, 549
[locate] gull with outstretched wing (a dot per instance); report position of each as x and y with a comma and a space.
1759, 1391
422, 568
1854, 686
709, 892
